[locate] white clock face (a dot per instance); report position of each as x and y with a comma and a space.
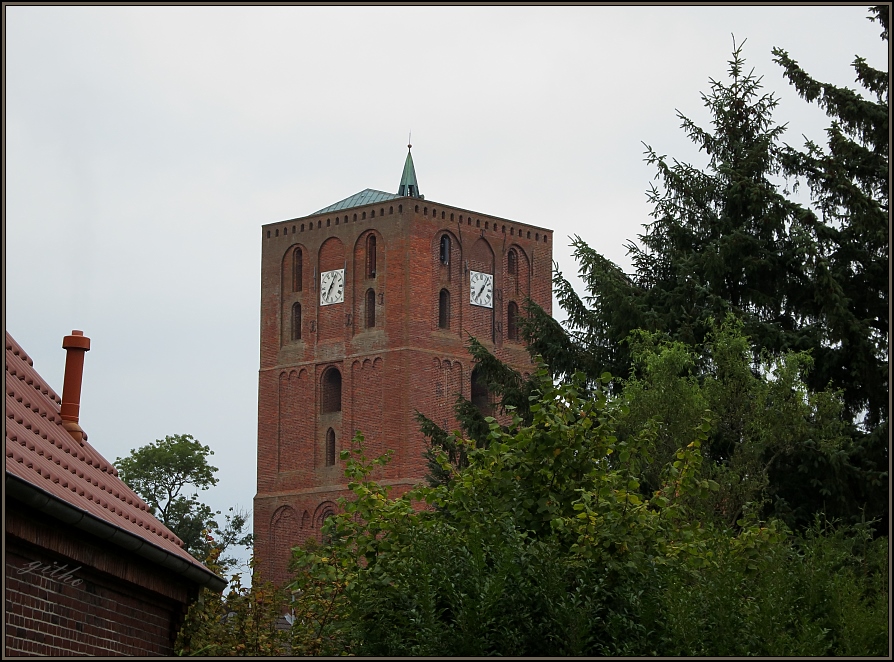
332, 287
481, 289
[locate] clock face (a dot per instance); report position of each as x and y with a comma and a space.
332, 287
481, 289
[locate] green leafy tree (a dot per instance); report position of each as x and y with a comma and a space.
548, 544
759, 418
164, 473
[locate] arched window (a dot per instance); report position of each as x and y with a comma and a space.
444, 310
370, 308
512, 321
297, 270
330, 448
512, 261
296, 322
371, 256
445, 249
480, 394
331, 391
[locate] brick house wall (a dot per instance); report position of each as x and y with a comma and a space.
406, 360
114, 602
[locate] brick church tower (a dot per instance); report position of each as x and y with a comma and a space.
366, 307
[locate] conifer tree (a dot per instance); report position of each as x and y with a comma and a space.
726, 239
849, 183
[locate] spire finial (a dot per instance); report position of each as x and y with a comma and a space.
408, 184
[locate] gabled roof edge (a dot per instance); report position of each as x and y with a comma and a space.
61, 510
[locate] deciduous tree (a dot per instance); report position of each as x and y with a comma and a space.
168, 474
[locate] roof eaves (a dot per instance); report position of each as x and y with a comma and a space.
65, 512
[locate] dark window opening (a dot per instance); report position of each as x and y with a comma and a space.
444, 310
445, 249
371, 256
297, 270
370, 309
296, 322
480, 394
330, 453
512, 262
331, 391
512, 321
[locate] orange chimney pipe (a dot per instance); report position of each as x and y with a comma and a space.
75, 345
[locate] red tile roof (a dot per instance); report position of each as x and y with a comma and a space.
42, 453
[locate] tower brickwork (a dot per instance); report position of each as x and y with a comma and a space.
366, 308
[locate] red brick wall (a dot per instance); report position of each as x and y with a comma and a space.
405, 363
106, 607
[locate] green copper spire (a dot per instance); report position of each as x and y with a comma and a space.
408, 184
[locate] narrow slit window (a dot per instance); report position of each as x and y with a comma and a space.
296, 322
370, 309
298, 270
371, 256
445, 249
330, 447
444, 310
512, 321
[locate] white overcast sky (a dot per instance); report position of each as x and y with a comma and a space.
145, 147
